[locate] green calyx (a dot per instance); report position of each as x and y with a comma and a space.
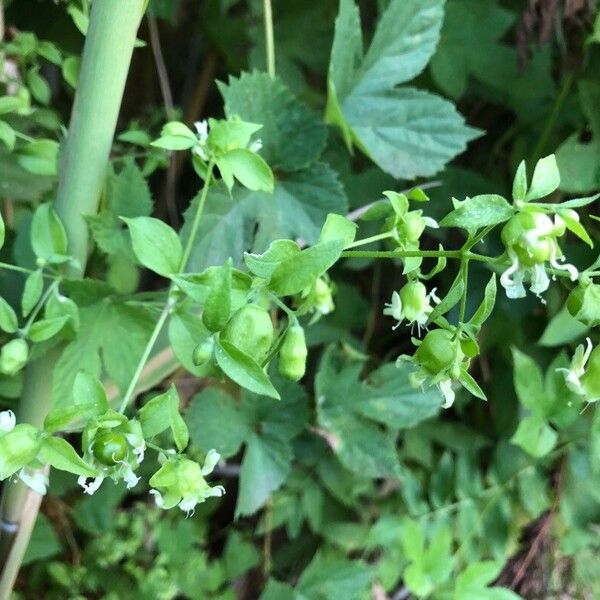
532, 237
440, 352
13, 356
250, 330
110, 448
293, 353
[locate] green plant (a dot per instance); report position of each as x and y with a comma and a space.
357, 479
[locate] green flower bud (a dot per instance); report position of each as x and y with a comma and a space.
293, 353
250, 330
412, 227
415, 302
203, 351
321, 297
13, 356
439, 352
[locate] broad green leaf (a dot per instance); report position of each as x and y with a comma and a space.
243, 370
155, 244
46, 328
562, 329
250, 221
529, 382
175, 136
10, 104
382, 120
296, 273
32, 292
128, 194
48, 236
8, 318
44, 543
263, 265
74, 417
535, 436
266, 464
205, 416
87, 388
161, 413
545, 180
198, 286
479, 211
470, 47
337, 227
7, 135
276, 590
58, 453
579, 164
21, 184
249, 169
217, 307
293, 137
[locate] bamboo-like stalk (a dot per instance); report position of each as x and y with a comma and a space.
105, 64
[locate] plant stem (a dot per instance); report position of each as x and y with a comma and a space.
269, 37
9, 267
170, 302
105, 63
370, 240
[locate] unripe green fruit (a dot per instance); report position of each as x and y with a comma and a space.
438, 351
110, 448
293, 353
590, 380
534, 253
13, 356
250, 330
203, 351
413, 226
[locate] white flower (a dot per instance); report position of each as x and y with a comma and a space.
577, 369
138, 445
202, 131
7, 420
90, 488
158, 499
36, 480
445, 386
212, 458
417, 306
130, 478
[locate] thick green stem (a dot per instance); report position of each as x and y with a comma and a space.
106, 58
269, 37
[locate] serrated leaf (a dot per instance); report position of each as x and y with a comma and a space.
293, 137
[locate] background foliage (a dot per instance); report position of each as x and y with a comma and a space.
353, 485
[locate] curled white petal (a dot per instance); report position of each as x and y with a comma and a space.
130, 478
36, 480
93, 486
7, 420
573, 272
217, 491
540, 281
513, 286
188, 504
446, 388
431, 223
433, 296
212, 458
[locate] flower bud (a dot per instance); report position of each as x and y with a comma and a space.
414, 300
203, 351
13, 356
412, 227
250, 330
293, 353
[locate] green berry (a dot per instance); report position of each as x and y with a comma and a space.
293, 353
110, 448
438, 352
250, 330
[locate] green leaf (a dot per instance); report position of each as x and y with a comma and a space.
299, 271
576, 227
562, 329
249, 169
18, 448
265, 467
263, 265
48, 236
155, 244
384, 121
8, 318
470, 47
250, 221
546, 178
32, 292
451, 299
205, 416
579, 164
471, 385
337, 227
293, 137
484, 310
535, 436
38, 86
243, 370
7, 135
44, 543
58, 453
87, 388
46, 328
519, 188
161, 413
10, 104
70, 70
479, 211
175, 136
71, 418
128, 194
529, 382
39, 157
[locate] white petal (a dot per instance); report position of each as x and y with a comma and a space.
431, 223
255, 146
7, 420
36, 480
212, 458
202, 130
448, 393
514, 287
540, 281
130, 478
187, 504
93, 486
217, 491
573, 272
